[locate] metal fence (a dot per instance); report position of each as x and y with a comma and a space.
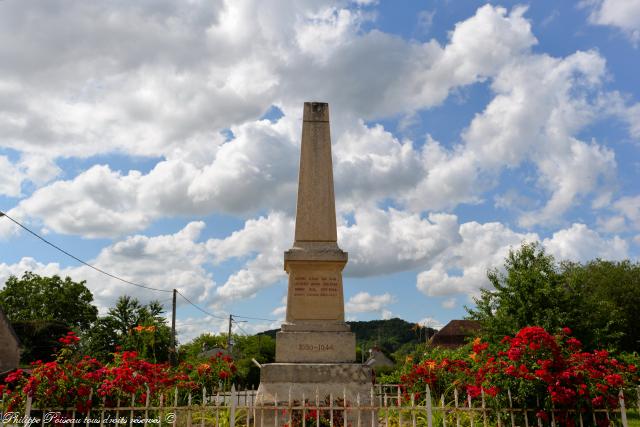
386, 406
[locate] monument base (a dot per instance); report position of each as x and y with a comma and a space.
315, 347
294, 383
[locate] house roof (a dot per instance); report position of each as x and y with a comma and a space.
8, 323
455, 332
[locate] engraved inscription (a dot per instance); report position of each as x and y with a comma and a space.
315, 347
315, 285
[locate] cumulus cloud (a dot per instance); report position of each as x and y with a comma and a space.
163, 262
364, 302
268, 237
622, 14
579, 243
462, 269
382, 241
541, 103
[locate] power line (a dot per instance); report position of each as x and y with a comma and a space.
120, 278
254, 318
200, 308
79, 260
242, 329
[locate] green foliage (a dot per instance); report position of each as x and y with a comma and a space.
39, 339
131, 326
530, 292
191, 350
41, 309
597, 300
609, 296
395, 337
261, 347
33, 297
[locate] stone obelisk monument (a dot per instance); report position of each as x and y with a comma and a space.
315, 349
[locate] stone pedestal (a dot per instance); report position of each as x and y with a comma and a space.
315, 349
294, 383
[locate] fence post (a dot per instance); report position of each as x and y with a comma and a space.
133, 402
484, 409
189, 410
146, 405
232, 409
623, 412
317, 408
204, 410
27, 411
371, 402
472, 414
444, 412
275, 406
455, 400
175, 407
331, 409
513, 421
427, 402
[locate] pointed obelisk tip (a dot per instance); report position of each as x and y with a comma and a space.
315, 112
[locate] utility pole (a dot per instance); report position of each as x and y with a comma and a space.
229, 341
172, 351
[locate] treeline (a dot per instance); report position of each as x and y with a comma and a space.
598, 300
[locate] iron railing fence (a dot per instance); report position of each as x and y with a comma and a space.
386, 406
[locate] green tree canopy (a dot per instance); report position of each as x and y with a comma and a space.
37, 298
598, 300
131, 326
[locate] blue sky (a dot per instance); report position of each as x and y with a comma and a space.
159, 141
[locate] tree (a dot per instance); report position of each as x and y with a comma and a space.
37, 298
130, 326
597, 300
529, 292
609, 300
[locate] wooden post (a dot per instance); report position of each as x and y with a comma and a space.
513, 421
623, 412
232, 409
172, 351
429, 408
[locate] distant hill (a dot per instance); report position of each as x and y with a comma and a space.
388, 335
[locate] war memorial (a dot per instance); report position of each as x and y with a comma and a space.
315, 349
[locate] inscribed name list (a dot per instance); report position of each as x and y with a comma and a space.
316, 295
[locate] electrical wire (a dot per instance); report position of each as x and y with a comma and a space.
79, 260
254, 318
113, 276
198, 307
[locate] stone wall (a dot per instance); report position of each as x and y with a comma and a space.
9, 347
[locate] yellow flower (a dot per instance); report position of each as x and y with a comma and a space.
431, 364
473, 356
409, 359
476, 341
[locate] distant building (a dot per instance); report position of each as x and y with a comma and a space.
213, 352
9, 345
455, 333
378, 359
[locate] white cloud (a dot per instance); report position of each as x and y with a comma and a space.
10, 178
449, 303
462, 269
579, 243
268, 237
629, 207
623, 14
163, 262
390, 241
430, 322
364, 302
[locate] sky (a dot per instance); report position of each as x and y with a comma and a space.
159, 141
